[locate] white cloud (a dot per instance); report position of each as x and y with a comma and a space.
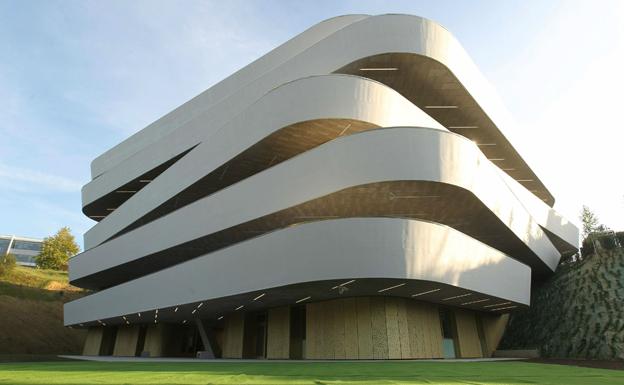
23, 179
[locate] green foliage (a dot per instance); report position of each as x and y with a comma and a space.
608, 241
57, 249
7, 264
620, 237
589, 220
588, 247
578, 310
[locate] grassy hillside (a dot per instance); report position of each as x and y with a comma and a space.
31, 313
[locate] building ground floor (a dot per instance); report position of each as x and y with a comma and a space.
379, 327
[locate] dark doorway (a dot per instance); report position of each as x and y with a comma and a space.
185, 341
297, 332
255, 335
141, 340
109, 335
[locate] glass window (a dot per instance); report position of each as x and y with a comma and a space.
4, 243
26, 245
24, 258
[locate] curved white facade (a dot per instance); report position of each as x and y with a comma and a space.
347, 163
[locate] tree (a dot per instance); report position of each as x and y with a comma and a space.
57, 249
589, 220
7, 264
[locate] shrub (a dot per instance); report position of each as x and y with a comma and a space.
588, 247
7, 264
608, 241
620, 238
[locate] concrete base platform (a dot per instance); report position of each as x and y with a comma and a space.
221, 360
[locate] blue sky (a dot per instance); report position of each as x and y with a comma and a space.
77, 77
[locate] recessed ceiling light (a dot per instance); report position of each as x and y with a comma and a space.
183, 322
425, 292
139, 315
457, 296
441, 107
497, 304
260, 296
477, 301
390, 288
503, 308
175, 310
343, 284
379, 69
194, 310
240, 307
219, 318
156, 311
303, 299
200, 305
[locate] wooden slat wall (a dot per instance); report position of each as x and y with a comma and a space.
278, 333
493, 329
433, 330
372, 328
392, 328
364, 328
351, 328
233, 336
467, 334
126, 341
93, 341
378, 325
425, 334
404, 339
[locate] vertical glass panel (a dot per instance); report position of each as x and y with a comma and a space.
448, 335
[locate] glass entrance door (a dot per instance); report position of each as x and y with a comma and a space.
448, 333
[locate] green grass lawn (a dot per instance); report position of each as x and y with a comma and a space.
31, 277
87, 373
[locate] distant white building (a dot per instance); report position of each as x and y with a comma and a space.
24, 249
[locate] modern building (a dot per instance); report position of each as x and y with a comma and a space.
24, 249
352, 194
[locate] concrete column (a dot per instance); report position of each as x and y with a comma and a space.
467, 334
93, 341
278, 333
126, 341
493, 329
156, 340
233, 336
